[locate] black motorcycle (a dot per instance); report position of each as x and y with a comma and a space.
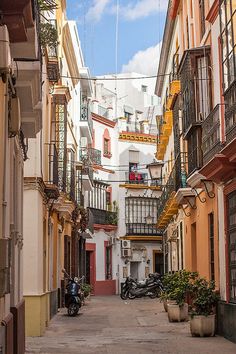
73, 295
152, 287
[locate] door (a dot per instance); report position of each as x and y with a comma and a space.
158, 262
88, 265
134, 270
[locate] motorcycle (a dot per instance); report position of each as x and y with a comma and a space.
152, 287
73, 295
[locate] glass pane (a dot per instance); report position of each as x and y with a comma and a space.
229, 36
222, 14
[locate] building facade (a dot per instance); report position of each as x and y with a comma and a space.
20, 115
197, 95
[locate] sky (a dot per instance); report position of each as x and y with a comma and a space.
140, 30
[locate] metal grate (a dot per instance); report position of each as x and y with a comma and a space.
141, 216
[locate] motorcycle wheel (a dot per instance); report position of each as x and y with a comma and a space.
131, 297
73, 309
155, 294
124, 295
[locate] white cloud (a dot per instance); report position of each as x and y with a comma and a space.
96, 11
144, 62
142, 8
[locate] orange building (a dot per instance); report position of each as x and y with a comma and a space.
196, 83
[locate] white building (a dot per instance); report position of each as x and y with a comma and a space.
124, 123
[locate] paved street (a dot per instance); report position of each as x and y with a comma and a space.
108, 325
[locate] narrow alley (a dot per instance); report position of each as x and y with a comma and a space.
108, 325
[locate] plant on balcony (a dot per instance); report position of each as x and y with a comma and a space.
48, 35
202, 311
112, 217
83, 219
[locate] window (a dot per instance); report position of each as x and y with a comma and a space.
202, 17
108, 257
231, 236
211, 241
228, 45
144, 88
128, 116
106, 144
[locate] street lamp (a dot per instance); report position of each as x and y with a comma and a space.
155, 169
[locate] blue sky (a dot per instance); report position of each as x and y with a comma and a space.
141, 24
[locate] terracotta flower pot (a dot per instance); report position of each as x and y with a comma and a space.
177, 313
202, 326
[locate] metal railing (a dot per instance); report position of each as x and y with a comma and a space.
230, 112
52, 164
104, 217
138, 229
90, 155
177, 179
211, 143
195, 160
85, 112
136, 178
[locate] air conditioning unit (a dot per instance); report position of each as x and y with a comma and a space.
125, 244
126, 252
5, 54
83, 142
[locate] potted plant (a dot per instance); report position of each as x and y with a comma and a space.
86, 288
202, 322
177, 307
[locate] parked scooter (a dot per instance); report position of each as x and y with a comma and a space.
152, 287
73, 295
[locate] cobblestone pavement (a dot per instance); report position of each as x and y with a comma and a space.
108, 325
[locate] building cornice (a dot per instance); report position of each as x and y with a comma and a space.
138, 137
103, 120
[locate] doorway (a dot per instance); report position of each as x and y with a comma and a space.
158, 262
134, 273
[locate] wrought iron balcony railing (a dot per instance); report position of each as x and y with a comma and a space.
85, 112
211, 143
52, 190
104, 217
136, 178
70, 182
53, 164
230, 112
195, 87
195, 159
90, 155
141, 229
52, 62
176, 180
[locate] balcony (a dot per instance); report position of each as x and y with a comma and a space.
195, 159
211, 142
87, 178
86, 123
230, 113
137, 229
177, 179
53, 70
105, 218
195, 87
136, 178
52, 190
90, 156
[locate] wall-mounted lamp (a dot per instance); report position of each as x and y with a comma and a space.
188, 214
149, 220
155, 169
208, 186
191, 202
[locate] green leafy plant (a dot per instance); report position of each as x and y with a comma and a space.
112, 218
177, 286
204, 297
86, 288
48, 35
